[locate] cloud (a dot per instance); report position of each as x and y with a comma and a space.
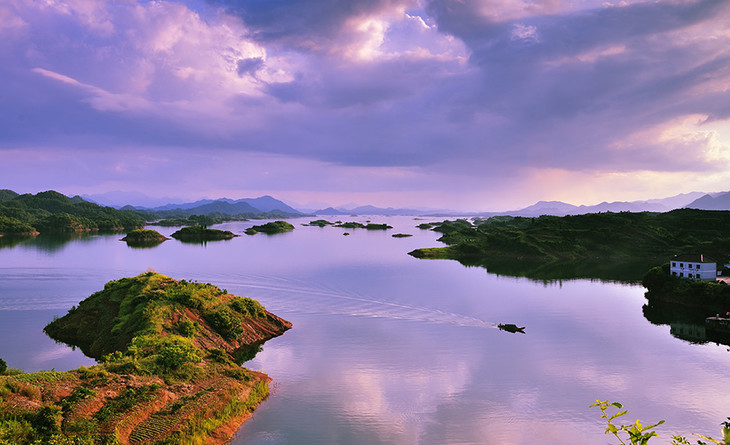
250, 65
474, 92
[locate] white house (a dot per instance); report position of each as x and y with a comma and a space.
695, 266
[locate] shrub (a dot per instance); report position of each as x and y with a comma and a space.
248, 306
15, 431
30, 391
227, 324
176, 354
218, 356
187, 328
3, 366
48, 421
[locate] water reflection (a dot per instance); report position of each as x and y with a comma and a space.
53, 242
387, 348
144, 244
200, 242
8, 241
685, 323
621, 271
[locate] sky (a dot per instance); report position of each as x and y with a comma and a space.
459, 104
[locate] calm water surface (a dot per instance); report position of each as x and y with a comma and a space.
390, 349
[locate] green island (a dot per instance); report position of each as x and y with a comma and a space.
368, 226
144, 237
271, 228
401, 235
609, 246
200, 233
168, 370
51, 211
318, 223
195, 220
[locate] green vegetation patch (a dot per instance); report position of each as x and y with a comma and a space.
351, 225
51, 211
202, 233
167, 372
368, 226
271, 228
150, 304
711, 297
319, 223
144, 236
579, 241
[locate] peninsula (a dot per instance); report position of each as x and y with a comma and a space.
612, 246
168, 369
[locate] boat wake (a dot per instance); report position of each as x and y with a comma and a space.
283, 295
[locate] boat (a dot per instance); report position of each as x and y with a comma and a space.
509, 327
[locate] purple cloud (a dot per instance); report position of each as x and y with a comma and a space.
477, 94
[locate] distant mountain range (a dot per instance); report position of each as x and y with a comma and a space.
273, 206
389, 211
263, 206
556, 208
714, 201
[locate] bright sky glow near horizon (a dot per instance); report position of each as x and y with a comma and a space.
460, 104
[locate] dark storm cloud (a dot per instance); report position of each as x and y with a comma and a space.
249, 66
540, 84
303, 24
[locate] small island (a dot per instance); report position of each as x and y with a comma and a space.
200, 233
144, 237
318, 223
271, 228
401, 235
368, 226
168, 369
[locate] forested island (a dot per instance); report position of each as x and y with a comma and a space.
200, 233
144, 237
51, 211
368, 226
270, 228
169, 372
612, 246
349, 225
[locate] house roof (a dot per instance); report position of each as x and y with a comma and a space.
693, 258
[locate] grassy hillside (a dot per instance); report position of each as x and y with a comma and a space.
167, 371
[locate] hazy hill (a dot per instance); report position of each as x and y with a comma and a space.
720, 201
388, 211
225, 206
267, 203
558, 208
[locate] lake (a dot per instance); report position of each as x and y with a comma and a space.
390, 349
